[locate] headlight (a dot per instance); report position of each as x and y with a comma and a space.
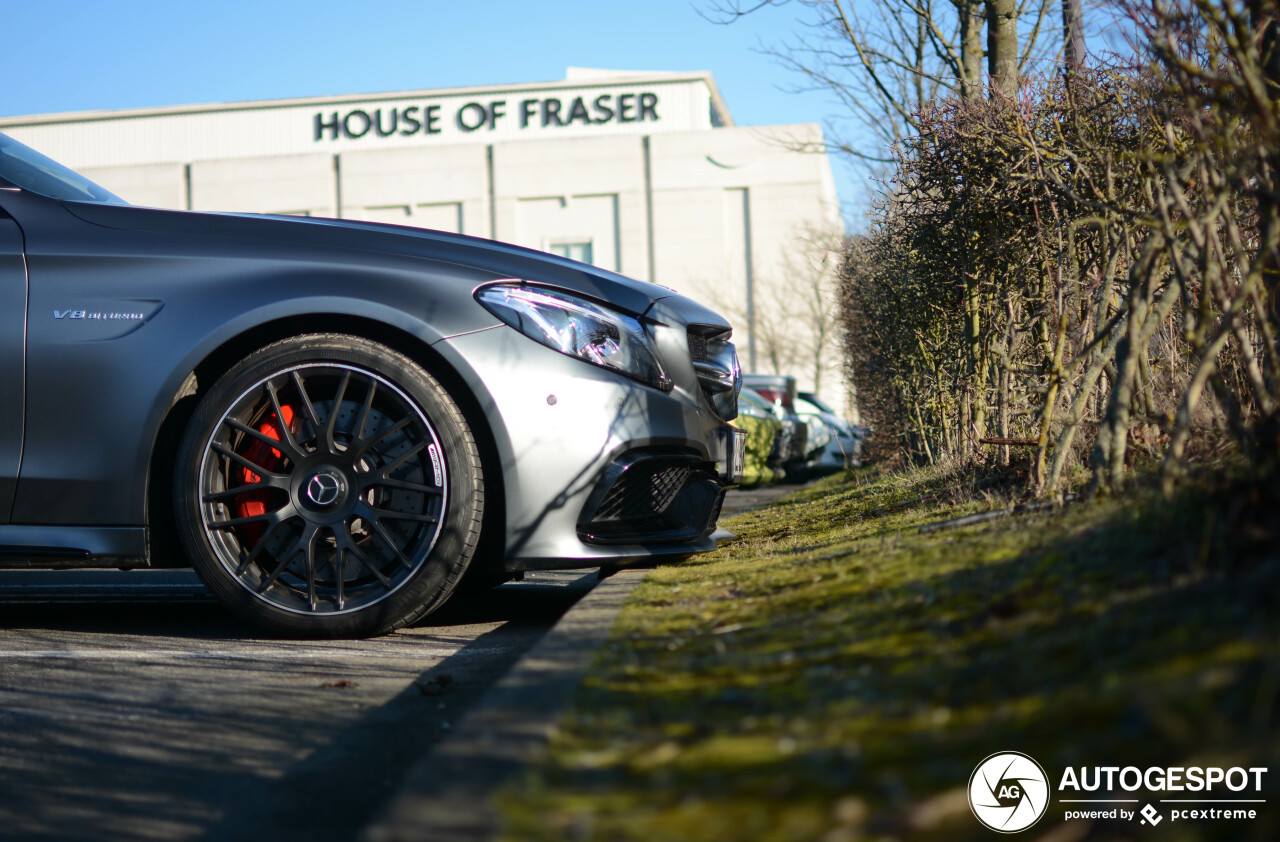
578, 327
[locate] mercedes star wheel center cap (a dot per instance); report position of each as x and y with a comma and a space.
324, 488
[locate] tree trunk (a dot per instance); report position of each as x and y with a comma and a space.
1072, 34
1002, 47
1004, 413
970, 14
977, 359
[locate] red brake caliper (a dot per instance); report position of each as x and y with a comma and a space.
254, 503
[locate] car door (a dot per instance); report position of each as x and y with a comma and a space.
13, 317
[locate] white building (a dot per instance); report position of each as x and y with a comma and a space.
642, 173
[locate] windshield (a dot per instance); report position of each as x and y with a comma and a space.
28, 169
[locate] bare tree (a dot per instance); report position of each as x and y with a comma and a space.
810, 276
771, 330
884, 60
797, 313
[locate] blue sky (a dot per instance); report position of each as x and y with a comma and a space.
86, 55
72, 55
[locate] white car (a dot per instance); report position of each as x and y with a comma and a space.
844, 449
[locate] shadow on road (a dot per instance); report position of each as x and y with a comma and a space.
99, 609
111, 732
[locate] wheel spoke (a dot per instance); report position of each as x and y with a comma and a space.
381, 531
286, 447
275, 573
412, 452
368, 565
258, 547
216, 496
307, 405
252, 466
358, 433
285, 433
339, 565
381, 437
311, 570
268, 517
331, 443
300, 546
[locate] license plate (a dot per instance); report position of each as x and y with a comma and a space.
735, 455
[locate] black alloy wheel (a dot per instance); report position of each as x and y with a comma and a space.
329, 486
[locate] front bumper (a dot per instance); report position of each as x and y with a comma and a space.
596, 468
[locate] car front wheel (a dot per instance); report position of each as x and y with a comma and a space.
328, 486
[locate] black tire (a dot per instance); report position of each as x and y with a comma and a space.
328, 486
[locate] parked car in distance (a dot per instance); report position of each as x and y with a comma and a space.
818, 439
844, 448
775, 388
763, 464
336, 423
779, 390
780, 453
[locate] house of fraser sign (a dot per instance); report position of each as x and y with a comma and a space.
527, 113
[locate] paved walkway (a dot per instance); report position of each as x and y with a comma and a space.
746, 499
449, 795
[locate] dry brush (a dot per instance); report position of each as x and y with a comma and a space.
1088, 270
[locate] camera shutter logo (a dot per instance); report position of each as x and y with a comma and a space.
1009, 792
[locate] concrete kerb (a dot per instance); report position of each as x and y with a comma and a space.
449, 795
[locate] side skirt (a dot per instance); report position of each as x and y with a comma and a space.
28, 547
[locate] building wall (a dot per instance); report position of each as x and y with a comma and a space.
446, 189
712, 211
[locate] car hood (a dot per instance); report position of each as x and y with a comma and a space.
290, 234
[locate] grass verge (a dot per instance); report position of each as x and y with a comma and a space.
837, 674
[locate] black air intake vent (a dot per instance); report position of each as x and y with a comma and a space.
643, 492
652, 497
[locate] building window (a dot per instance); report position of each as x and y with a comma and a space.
574, 250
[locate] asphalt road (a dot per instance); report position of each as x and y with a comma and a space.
132, 707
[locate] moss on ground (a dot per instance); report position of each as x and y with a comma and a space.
836, 674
